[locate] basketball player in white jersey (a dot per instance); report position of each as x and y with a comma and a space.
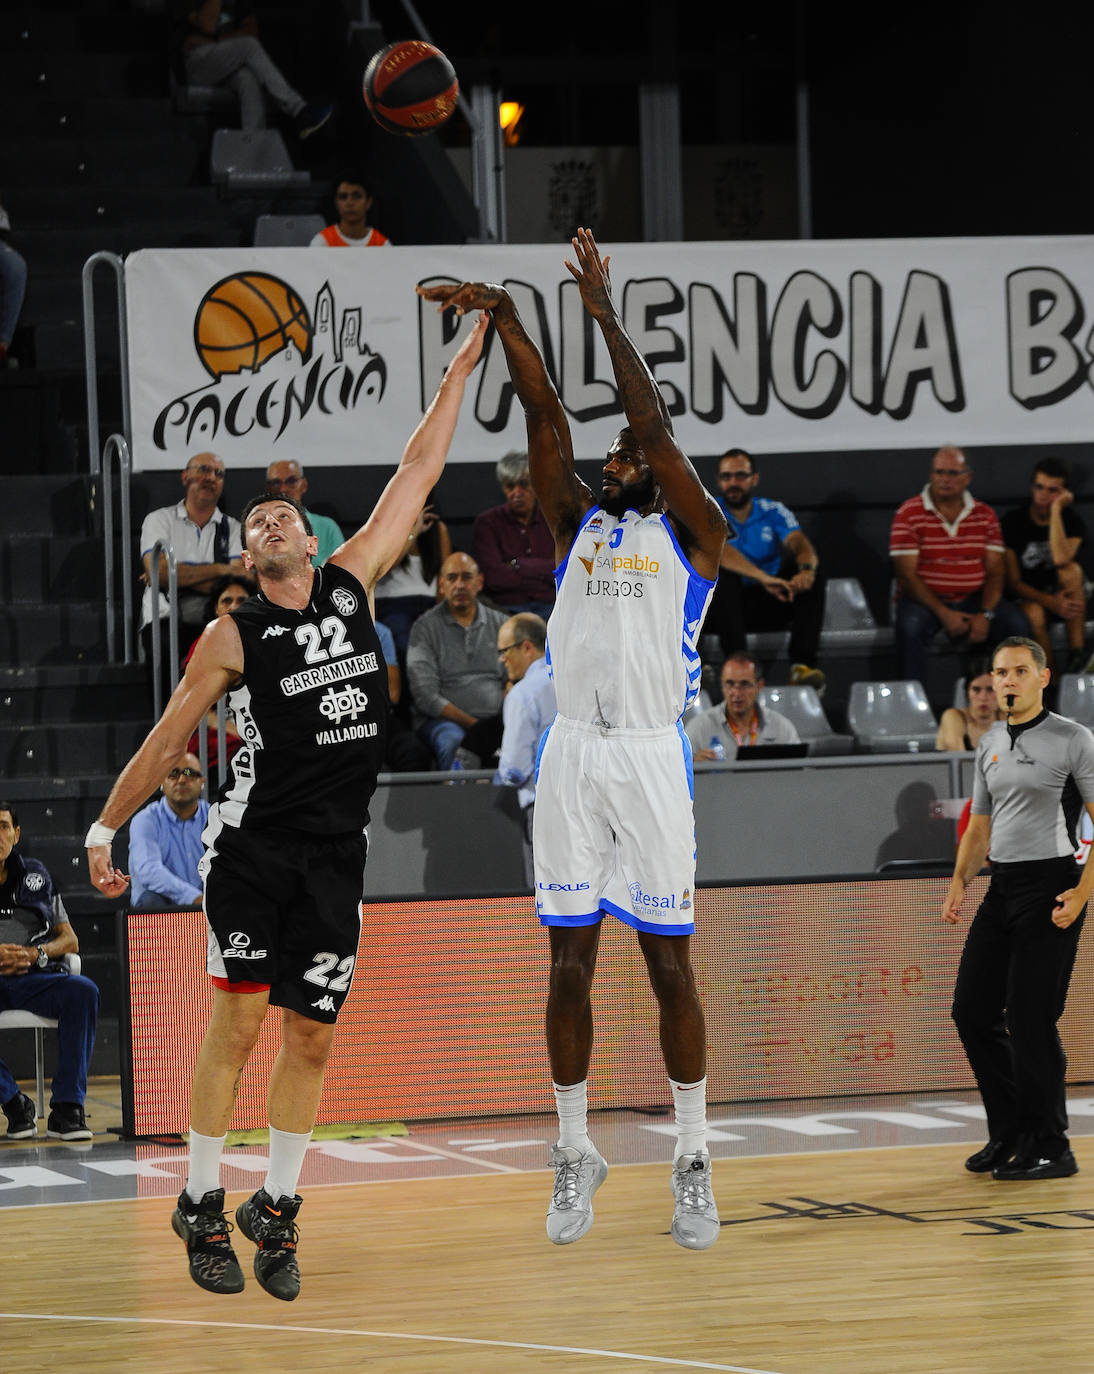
614, 831
286, 840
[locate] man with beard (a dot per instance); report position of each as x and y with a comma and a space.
769, 579
286, 842
614, 831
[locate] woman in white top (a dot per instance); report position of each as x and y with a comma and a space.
411, 586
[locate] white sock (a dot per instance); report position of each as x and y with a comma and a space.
286, 1160
573, 1114
690, 1102
204, 1175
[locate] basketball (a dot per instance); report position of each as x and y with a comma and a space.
245, 319
410, 88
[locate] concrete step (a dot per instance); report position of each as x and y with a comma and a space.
73, 694
38, 568
68, 750
45, 503
70, 632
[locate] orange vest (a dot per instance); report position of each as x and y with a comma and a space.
335, 239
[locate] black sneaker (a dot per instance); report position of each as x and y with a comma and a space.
22, 1117
312, 118
205, 1230
272, 1227
66, 1122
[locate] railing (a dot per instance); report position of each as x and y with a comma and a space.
117, 445
91, 363
162, 548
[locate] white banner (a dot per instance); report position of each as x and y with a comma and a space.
329, 357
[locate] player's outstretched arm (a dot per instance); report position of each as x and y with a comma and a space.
686, 497
383, 538
563, 496
215, 664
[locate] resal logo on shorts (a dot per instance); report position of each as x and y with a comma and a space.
643, 901
239, 947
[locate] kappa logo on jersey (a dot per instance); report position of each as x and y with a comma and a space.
325, 1003
34, 882
337, 703
272, 631
239, 943
345, 601
641, 900
589, 563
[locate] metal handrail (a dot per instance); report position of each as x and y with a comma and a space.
91, 365
163, 546
116, 444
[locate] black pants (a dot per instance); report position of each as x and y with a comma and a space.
1011, 988
738, 608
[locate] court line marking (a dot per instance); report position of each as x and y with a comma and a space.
281, 1328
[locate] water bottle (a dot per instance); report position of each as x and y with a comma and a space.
718, 749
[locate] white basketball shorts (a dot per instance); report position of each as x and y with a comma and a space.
614, 828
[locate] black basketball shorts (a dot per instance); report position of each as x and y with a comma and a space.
283, 911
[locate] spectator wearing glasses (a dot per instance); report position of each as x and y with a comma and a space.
528, 710
207, 545
287, 479
165, 842
947, 553
719, 731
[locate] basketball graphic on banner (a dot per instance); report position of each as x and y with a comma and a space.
245, 319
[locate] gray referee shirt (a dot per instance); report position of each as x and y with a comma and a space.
1033, 780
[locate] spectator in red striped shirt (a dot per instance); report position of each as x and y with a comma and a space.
947, 552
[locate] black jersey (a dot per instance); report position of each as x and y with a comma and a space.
312, 711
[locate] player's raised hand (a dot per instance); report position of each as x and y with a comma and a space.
592, 275
468, 295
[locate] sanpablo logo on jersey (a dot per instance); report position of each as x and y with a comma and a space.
344, 600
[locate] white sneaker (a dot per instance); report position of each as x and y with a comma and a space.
695, 1223
578, 1174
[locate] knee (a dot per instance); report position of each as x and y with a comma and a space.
81, 994
673, 982
308, 1042
1070, 578
571, 977
1035, 614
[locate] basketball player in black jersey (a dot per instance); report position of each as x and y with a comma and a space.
285, 847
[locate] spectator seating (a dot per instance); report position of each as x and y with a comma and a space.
802, 707
891, 717
1076, 698
253, 160
287, 231
848, 623
29, 1020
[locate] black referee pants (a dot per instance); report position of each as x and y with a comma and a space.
1011, 988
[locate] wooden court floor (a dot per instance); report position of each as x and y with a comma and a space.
850, 1261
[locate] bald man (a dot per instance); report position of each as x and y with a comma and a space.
456, 679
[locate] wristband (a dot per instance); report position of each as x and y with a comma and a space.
97, 835
807, 567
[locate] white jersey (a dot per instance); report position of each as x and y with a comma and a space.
622, 639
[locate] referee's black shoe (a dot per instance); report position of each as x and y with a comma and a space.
1034, 1166
994, 1152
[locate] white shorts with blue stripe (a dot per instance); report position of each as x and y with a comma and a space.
614, 828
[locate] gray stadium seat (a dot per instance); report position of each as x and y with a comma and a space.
287, 231
891, 717
845, 606
801, 706
253, 160
1076, 698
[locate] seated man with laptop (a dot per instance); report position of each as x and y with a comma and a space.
738, 723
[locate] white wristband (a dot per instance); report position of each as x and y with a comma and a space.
97, 835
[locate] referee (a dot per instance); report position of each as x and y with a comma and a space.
1034, 773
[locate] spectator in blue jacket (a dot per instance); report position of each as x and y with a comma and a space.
35, 936
165, 842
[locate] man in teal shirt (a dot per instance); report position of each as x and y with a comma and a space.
288, 478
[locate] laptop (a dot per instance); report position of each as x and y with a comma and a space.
764, 753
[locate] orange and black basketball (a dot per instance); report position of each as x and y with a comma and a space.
410, 88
